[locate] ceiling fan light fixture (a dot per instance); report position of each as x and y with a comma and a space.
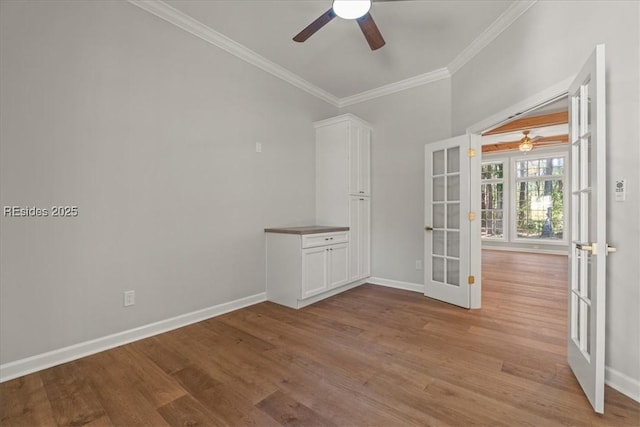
525, 143
351, 9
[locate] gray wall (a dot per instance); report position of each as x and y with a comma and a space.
545, 46
402, 124
151, 132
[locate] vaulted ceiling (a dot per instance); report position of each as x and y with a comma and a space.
421, 37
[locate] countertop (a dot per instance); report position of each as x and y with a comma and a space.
308, 229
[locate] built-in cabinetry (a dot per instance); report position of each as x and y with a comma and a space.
306, 265
343, 184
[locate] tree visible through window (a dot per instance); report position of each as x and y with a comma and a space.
492, 200
539, 198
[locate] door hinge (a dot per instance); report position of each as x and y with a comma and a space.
471, 152
472, 216
471, 280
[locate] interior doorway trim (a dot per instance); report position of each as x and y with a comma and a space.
538, 100
613, 378
474, 131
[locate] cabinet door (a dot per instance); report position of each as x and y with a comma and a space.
355, 133
314, 271
354, 241
338, 262
364, 162
359, 160
360, 237
364, 237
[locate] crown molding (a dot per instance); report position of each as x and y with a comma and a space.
503, 22
419, 80
198, 29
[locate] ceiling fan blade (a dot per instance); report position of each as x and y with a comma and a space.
371, 31
310, 30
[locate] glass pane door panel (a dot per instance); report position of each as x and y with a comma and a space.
453, 160
438, 189
453, 244
438, 242
438, 215
453, 272
453, 216
438, 162
453, 187
574, 318
437, 269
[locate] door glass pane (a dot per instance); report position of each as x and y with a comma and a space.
437, 269
438, 189
587, 142
438, 242
576, 284
453, 243
577, 116
453, 160
574, 318
438, 162
586, 107
589, 279
438, 215
453, 272
453, 187
584, 308
587, 336
453, 216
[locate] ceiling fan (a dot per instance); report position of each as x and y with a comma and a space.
526, 143
348, 9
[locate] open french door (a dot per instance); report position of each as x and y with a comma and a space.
589, 249
447, 230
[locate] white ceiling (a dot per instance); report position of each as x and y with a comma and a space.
422, 36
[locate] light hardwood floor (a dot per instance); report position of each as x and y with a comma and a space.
370, 356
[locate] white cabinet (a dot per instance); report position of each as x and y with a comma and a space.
324, 268
360, 241
359, 142
302, 269
343, 184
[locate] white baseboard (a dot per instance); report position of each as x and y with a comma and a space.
623, 383
397, 284
18, 368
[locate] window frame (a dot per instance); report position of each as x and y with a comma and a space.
506, 197
514, 183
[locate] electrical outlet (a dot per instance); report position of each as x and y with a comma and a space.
258, 147
129, 298
418, 264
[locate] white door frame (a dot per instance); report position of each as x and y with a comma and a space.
475, 131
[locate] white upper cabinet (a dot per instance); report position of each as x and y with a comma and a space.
343, 185
343, 158
359, 155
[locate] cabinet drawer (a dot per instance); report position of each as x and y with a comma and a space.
322, 239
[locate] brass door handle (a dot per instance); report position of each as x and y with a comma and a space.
584, 247
427, 228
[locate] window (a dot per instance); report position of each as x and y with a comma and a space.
492, 199
539, 198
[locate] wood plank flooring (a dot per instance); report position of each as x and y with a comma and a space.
370, 356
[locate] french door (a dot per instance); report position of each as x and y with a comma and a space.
446, 264
589, 250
